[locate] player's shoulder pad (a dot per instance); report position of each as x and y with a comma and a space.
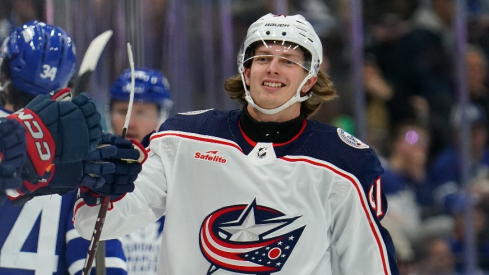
201, 122
345, 151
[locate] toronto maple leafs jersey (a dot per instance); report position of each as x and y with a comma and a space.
311, 205
142, 248
39, 238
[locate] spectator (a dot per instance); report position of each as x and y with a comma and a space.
446, 172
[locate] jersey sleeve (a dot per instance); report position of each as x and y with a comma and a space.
146, 204
361, 244
358, 233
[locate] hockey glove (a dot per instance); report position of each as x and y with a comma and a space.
58, 131
12, 155
111, 169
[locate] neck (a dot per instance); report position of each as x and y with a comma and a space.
283, 116
270, 131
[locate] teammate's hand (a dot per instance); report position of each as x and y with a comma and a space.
12, 154
58, 131
112, 169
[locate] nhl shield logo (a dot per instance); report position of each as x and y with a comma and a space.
236, 238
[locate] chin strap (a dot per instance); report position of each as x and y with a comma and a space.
295, 98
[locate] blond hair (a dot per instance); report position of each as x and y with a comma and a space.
322, 91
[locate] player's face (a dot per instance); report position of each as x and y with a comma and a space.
144, 119
275, 74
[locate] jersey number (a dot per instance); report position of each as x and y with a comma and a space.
48, 72
45, 260
375, 198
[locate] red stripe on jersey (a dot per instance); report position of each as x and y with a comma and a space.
195, 137
362, 199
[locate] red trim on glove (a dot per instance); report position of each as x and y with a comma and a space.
40, 143
142, 150
61, 94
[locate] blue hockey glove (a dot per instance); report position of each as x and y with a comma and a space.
111, 169
12, 155
58, 131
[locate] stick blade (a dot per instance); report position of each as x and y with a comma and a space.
90, 60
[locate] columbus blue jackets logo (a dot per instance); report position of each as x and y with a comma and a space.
241, 239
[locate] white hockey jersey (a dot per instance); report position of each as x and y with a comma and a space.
308, 206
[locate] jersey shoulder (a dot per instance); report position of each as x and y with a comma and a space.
334, 145
210, 122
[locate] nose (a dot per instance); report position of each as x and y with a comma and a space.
273, 68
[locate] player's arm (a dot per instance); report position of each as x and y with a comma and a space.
357, 232
127, 212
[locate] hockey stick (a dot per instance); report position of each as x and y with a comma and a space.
90, 61
99, 222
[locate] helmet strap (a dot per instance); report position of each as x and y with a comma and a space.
295, 98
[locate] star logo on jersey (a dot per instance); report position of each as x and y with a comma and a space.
241, 239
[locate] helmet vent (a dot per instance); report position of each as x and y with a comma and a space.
44, 45
267, 33
284, 33
62, 50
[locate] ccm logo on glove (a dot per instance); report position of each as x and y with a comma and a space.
40, 143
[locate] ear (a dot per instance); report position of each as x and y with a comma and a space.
308, 85
246, 74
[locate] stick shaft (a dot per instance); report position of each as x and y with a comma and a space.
99, 224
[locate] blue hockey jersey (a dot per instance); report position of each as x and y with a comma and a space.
39, 238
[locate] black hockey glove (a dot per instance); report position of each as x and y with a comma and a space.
111, 169
58, 131
12, 155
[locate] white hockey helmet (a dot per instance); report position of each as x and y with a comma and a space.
282, 28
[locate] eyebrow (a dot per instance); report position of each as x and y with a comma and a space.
287, 55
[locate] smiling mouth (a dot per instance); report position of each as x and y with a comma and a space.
273, 84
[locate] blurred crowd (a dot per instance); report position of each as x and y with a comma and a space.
413, 116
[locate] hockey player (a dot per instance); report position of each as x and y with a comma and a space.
152, 102
151, 106
39, 236
264, 189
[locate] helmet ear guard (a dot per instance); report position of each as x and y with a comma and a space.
294, 29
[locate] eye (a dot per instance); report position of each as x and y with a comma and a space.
288, 62
263, 58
